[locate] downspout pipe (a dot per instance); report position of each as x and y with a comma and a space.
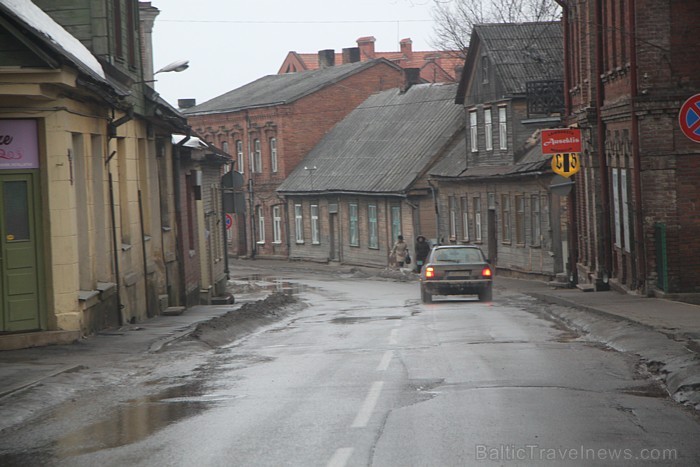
178, 213
602, 159
640, 248
572, 235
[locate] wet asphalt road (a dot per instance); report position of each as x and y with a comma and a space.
367, 375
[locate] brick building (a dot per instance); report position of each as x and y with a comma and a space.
438, 66
629, 67
269, 125
366, 181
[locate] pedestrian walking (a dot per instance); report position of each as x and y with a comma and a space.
422, 249
400, 251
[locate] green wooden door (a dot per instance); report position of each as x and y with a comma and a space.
20, 291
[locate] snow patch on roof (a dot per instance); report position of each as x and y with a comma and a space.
34, 17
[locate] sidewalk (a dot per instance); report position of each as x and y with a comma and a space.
666, 334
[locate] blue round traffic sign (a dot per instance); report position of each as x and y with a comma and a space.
229, 221
689, 118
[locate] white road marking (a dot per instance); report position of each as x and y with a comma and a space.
392, 337
386, 359
340, 457
368, 405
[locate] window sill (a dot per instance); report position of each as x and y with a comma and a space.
316, 243
276, 243
259, 243
300, 242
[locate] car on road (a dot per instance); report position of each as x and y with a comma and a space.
456, 270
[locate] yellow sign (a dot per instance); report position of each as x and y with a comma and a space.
566, 164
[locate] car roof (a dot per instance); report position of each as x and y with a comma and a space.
457, 246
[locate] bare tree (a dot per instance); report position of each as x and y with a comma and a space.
455, 19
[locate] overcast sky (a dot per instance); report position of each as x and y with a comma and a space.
230, 43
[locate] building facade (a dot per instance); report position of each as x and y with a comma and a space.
269, 125
440, 66
86, 174
365, 183
494, 188
630, 66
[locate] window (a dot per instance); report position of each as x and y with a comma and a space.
276, 224
315, 231
395, 222
257, 157
298, 223
224, 146
473, 133
488, 129
273, 154
373, 229
520, 219
239, 155
465, 218
502, 128
535, 219
118, 46
484, 69
261, 225
453, 217
354, 228
477, 219
131, 31
505, 218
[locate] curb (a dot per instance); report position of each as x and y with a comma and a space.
27, 384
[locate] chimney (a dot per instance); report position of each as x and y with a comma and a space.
366, 45
351, 55
411, 77
326, 58
183, 104
406, 47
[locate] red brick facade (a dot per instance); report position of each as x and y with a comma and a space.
638, 196
296, 128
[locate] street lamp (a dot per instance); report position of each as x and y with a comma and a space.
180, 65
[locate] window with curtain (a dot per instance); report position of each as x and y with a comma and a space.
373, 229
277, 224
315, 230
477, 219
473, 131
488, 129
535, 217
502, 128
261, 225
465, 218
520, 219
273, 154
239, 155
505, 218
354, 230
298, 223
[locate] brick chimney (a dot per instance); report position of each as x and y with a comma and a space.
411, 76
406, 48
366, 45
351, 55
326, 58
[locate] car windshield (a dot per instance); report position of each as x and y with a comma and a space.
458, 255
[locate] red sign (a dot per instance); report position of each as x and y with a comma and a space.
561, 140
689, 118
229, 221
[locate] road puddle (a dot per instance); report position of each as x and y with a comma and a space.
131, 422
275, 284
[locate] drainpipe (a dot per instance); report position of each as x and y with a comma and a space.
178, 215
602, 159
437, 211
640, 250
115, 245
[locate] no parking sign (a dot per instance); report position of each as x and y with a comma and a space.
689, 118
229, 221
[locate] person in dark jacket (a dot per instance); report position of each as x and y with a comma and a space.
422, 250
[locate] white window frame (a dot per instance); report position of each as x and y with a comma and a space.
239, 155
354, 228
276, 224
257, 156
503, 127
477, 219
488, 128
474, 130
315, 230
273, 154
506, 234
261, 225
373, 226
453, 217
298, 223
464, 201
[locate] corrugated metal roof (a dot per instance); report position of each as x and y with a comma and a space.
523, 52
383, 145
281, 89
455, 162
